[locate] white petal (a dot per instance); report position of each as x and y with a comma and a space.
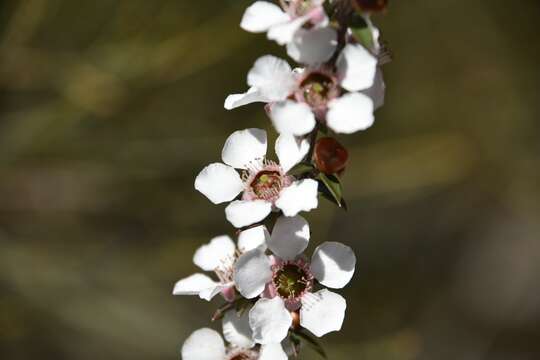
269, 320
377, 91
290, 237
219, 252
292, 118
219, 183
242, 213
236, 100
262, 15
243, 147
333, 264
350, 113
356, 68
284, 33
300, 196
193, 285
273, 77
322, 312
251, 273
211, 292
272, 352
236, 329
313, 46
291, 150
253, 238
204, 344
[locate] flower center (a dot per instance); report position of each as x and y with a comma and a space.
266, 184
292, 281
242, 354
264, 181
317, 89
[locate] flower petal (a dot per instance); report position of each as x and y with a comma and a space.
219, 252
253, 238
252, 271
377, 91
269, 320
356, 68
203, 344
273, 77
322, 312
219, 183
242, 213
244, 146
272, 352
291, 150
261, 16
350, 113
314, 46
284, 33
193, 285
236, 329
236, 100
333, 264
290, 237
210, 293
299, 196
292, 118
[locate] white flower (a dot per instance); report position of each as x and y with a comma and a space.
207, 344
219, 256
290, 284
313, 44
264, 184
297, 98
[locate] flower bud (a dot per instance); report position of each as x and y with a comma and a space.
370, 5
330, 156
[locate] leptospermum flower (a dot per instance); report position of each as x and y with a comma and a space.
287, 281
207, 344
298, 98
263, 185
220, 256
302, 25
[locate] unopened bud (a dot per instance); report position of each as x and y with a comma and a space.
330, 156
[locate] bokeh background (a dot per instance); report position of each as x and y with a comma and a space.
109, 108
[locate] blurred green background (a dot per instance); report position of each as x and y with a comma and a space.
109, 108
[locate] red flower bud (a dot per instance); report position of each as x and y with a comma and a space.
370, 5
330, 156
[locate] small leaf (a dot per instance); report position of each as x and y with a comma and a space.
332, 190
364, 36
301, 169
312, 343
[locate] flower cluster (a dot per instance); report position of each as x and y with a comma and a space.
276, 298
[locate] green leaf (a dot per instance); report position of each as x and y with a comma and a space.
364, 36
332, 190
301, 169
312, 343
